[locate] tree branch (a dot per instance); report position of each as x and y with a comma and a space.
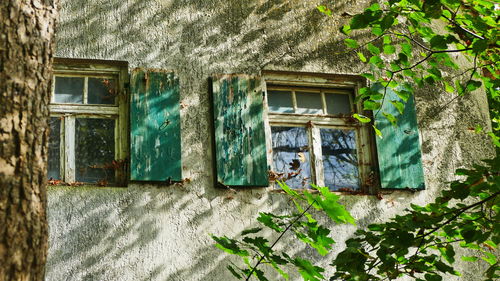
461, 211
277, 239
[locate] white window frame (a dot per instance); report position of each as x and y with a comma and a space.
330, 83
69, 112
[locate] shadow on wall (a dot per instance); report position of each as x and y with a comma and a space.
162, 233
149, 232
209, 36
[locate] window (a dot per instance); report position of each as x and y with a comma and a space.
88, 122
314, 139
299, 127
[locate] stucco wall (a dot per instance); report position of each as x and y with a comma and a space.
146, 232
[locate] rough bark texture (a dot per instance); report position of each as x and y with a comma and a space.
26, 48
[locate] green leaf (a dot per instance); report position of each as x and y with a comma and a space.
469, 259
387, 40
229, 245
360, 21
351, 43
346, 29
435, 71
377, 132
448, 253
490, 258
387, 22
398, 105
406, 49
361, 56
371, 105
391, 118
432, 8
439, 42
267, 220
324, 10
473, 85
308, 271
495, 139
377, 61
448, 87
260, 243
369, 76
403, 94
470, 235
389, 49
361, 118
479, 46
377, 31
374, 50
433, 277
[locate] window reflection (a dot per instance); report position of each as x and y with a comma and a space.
291, 157
54, 164
95, 149
340, 162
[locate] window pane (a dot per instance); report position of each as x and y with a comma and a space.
280, 101
309, 103
101, 91
340, 162
54, 164
337, 103
95, 150
69, 90
291, 156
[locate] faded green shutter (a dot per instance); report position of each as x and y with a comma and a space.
155, 129
239, 131
399, 156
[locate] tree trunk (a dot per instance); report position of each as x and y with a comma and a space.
26, 48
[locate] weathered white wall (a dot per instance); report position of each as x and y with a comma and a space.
146, 232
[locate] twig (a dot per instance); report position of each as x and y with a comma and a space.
383, 97
452, 21
277, 239
461, 211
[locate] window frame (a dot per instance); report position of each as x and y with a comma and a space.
330, 83
69, 112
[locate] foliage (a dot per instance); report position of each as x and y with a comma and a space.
420, 242
413, 45
256, 250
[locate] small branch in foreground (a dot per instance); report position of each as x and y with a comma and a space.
277, 239
461, 211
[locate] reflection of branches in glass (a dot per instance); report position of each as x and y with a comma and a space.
54, 164
340, 162
291, 155
102, 91
94, 148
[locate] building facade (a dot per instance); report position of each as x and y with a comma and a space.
176, 111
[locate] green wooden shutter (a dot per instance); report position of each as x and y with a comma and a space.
399, 156
239, 131
155, 129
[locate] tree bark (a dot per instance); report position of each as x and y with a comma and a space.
26, 49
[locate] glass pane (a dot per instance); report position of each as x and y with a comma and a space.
95, 150
340, 162
280, 101
69, 90
291, 156
54, 164
101, 91
337, 103
309, 103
